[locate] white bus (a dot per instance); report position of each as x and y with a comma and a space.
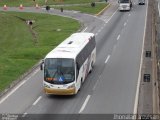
124, 5
67, 66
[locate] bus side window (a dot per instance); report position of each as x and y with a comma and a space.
77, 69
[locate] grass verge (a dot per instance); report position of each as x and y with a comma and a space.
42, 2
85, 8
18, 49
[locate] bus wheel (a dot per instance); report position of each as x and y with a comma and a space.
91, 67
80, 85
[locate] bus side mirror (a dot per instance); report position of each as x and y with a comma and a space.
41, 65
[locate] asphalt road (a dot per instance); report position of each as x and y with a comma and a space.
112, 85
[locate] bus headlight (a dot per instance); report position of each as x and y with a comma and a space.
71, 86
45, 85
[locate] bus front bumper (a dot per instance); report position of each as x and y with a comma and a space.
54, 91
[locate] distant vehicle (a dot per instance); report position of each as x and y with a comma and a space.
141, 2
67, 66
125, 5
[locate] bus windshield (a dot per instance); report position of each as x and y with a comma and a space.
124, 1
59, 70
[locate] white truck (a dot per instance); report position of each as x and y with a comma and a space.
125, 5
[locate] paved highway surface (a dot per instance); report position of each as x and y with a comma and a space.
112, 85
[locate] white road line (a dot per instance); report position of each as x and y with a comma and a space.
107, 59
140, 69
114, 47
111, 16
158, 9
85, 103
99, 31
18, 86
35, 72
24, 114
32, 74
102, 27
3, 99
85, 29
125, 24
38, 99
118, 37
96, 83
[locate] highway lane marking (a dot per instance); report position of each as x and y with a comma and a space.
140, 69
32, 74
85, 29
102, 27
38, 99
24, 114
18, 86
12, 91
125, 24
97, 82
85, 103
107, 59
114, 47
118, 37
96, 34
35, 72
111, 16
158, 9
106, 22
93, 16
99, 31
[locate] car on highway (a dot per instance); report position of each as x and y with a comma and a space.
141, 2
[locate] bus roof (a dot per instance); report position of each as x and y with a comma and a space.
71, 46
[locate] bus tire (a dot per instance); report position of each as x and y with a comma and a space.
80, 85
91, 67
